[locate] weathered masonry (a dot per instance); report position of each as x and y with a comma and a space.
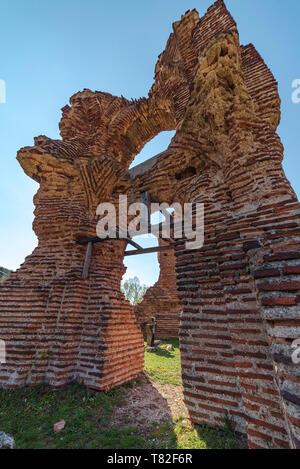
240, 293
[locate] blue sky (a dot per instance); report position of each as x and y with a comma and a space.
53, 48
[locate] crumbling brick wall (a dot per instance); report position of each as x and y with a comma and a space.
162, 300
239, 292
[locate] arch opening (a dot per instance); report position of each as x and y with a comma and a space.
156, 145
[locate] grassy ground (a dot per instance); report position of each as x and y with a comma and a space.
163, 366
29, 414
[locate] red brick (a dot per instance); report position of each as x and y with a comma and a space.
278, 301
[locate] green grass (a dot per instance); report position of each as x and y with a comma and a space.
30, 413
163, 366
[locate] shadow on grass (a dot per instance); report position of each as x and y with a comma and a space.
134, 416
219, 438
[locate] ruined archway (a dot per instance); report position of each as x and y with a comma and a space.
239, 293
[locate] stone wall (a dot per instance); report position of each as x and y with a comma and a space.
239, 292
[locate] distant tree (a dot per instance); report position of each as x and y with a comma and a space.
133, 290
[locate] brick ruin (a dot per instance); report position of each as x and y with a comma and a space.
162, 300
240, 293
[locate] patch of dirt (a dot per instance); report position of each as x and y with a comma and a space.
147, 403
